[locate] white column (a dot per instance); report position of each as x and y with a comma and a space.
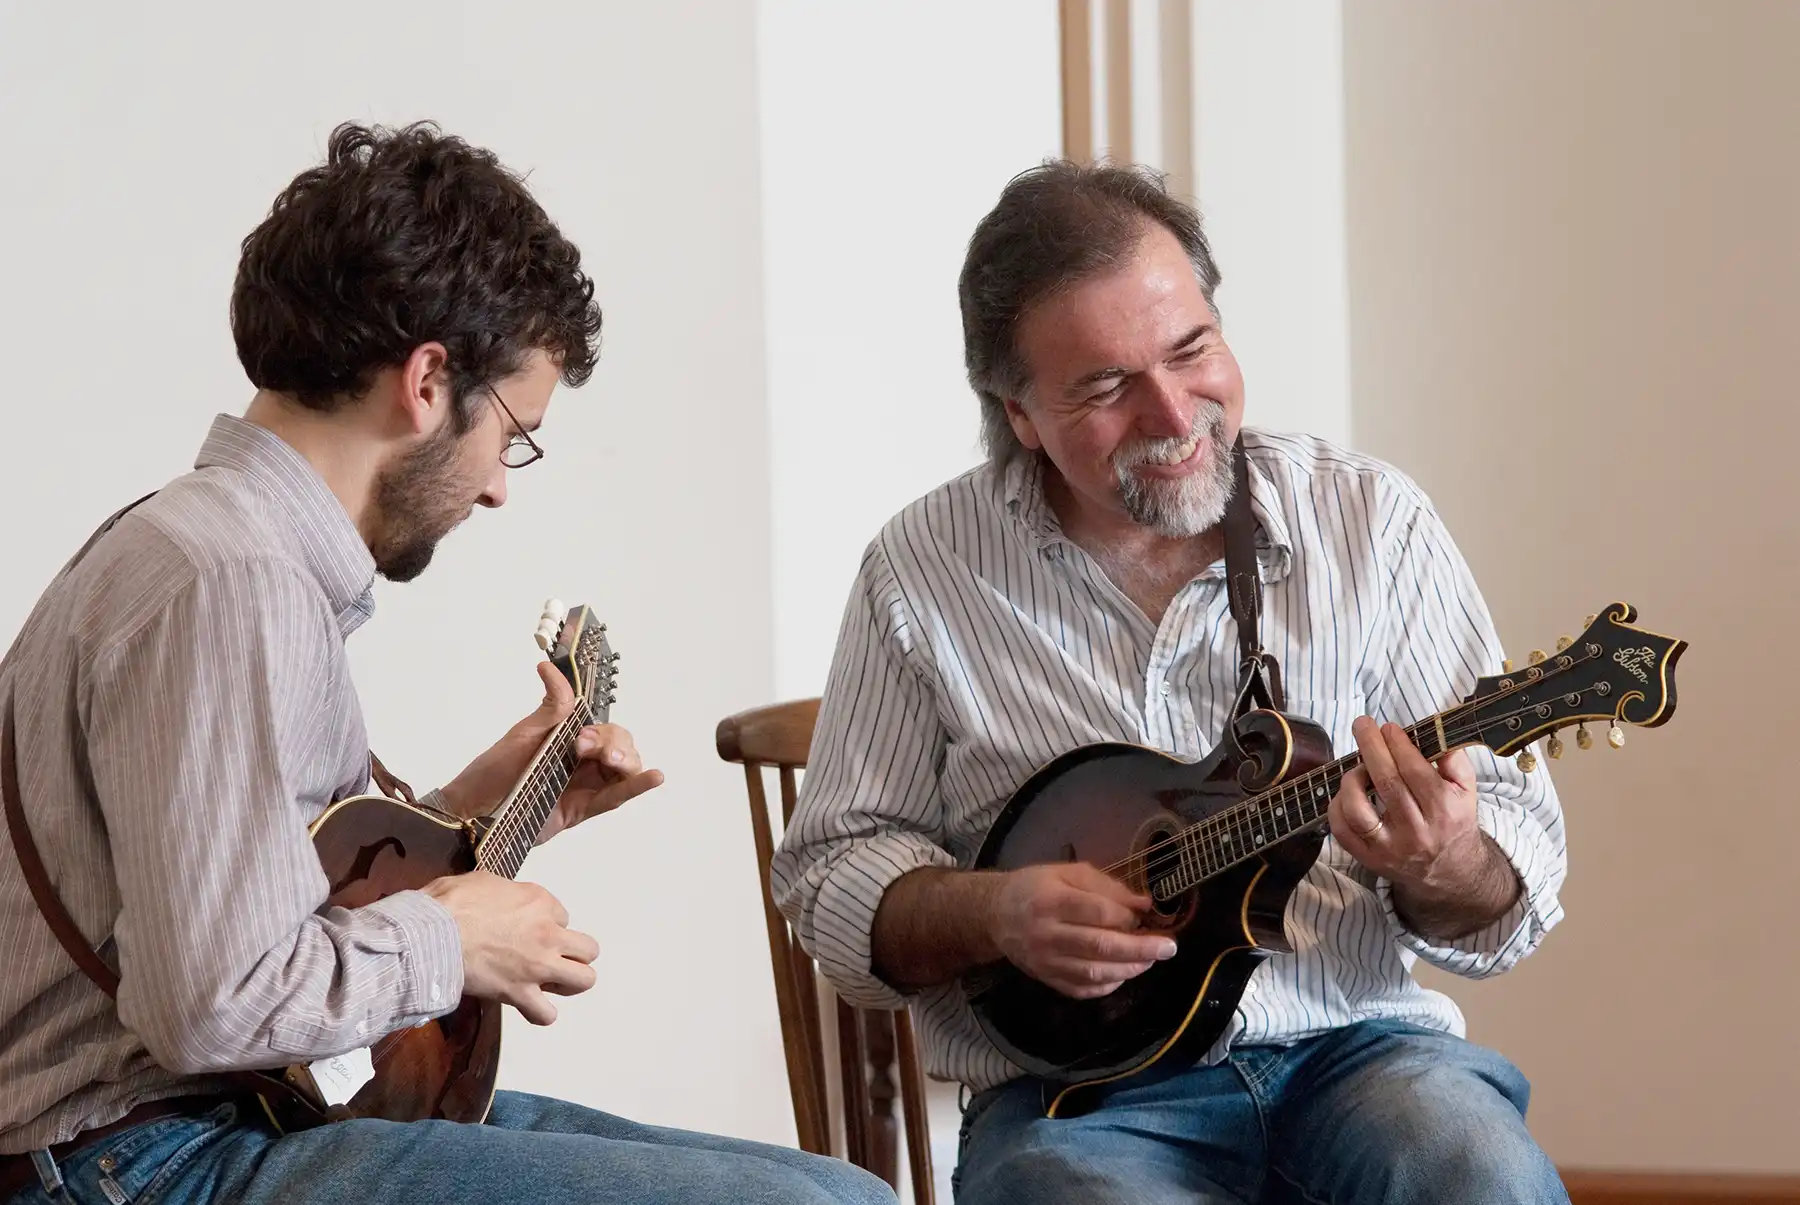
1269, 105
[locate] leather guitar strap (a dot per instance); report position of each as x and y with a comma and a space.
1260, 675
298, 1111
1259, 682
36, 877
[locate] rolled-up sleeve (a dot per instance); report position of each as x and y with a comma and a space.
1442, 639
228, 958
869, 803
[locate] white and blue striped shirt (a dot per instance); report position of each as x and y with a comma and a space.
979, 642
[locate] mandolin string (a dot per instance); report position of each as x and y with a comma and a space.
1244, 809
1161, 862
508, 829
1160, 868
1451, 715
1165, 859
506, 832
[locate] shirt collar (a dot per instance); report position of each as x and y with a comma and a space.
1022, 487
309, 513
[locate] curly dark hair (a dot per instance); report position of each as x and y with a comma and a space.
1055, 225
402, 237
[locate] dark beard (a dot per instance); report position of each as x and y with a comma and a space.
415, 507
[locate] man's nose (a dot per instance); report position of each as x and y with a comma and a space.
1164, 409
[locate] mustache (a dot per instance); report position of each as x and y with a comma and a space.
1209, 421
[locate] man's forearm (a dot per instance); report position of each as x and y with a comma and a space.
932, 925
1476, 899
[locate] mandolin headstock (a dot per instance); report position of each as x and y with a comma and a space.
1613, 673
576, 644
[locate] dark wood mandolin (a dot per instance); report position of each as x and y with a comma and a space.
1219, 845
372, 846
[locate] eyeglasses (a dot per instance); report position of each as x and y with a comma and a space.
521, 449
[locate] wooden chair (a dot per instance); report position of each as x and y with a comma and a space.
871, 1043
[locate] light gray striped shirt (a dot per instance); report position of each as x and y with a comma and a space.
979, 642
184, 711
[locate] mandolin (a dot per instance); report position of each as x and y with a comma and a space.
1219, 846
372, 846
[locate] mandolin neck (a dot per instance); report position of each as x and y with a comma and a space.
1212, 846
515, 824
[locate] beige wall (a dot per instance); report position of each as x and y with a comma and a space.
1574, 317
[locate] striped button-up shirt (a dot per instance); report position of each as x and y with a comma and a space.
184, 711
979, 643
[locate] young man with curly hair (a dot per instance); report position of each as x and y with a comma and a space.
184, 709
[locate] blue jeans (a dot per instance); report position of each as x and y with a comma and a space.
1381, 1112
547, 1152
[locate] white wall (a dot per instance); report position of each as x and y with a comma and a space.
141, 147
1269, 114
887, 131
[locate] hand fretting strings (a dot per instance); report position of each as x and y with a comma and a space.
507, 843
509, 840
1237, 833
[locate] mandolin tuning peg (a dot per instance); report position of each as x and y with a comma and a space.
1554, 747
1588, 622
1615, 736
1527, 762
1584, 738
1563, 642
1506, 666
1537, 655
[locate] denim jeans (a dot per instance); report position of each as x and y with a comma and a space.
1375, 1112
547, 1152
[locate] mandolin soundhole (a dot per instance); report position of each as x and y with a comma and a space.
1154, 859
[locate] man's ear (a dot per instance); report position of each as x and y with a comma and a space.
425, 394
1021, 424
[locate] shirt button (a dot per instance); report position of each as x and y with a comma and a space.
1165, 688
436, 995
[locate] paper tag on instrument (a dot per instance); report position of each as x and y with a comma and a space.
342, 1077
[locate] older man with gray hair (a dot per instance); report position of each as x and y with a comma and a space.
1071, 590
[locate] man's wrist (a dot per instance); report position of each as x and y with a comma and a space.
460, 801
1471, 893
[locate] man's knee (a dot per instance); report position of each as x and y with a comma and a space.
835, 1182
1459, 1135
1034, 1174
1498, 1168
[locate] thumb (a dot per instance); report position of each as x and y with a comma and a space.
1456, 767
1089, 877
559, 697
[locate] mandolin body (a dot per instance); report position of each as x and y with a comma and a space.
371, 847
1100, 804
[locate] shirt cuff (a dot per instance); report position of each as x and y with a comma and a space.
431, 974
843, 913
1498, 946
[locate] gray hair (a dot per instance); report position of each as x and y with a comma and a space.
1055, 225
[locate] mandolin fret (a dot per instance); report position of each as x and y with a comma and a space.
517, 821
1212, 846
